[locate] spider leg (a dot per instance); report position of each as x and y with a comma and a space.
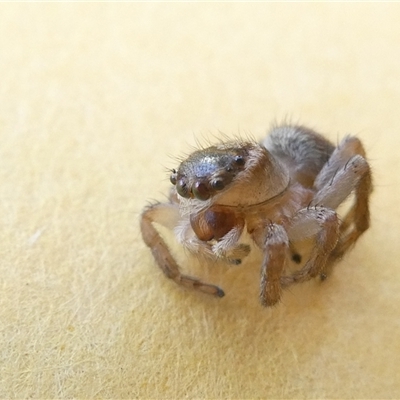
352, 173
347, 148
322, 223
165, 214
274, 242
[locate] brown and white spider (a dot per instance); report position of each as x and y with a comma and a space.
281, 191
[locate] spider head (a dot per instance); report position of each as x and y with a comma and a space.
209, 171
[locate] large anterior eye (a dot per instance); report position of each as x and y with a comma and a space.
200, 191
182, 188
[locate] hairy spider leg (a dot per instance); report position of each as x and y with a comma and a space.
321, 222
166, 214
275, 247
347, 171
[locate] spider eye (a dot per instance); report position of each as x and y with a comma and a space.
182, 189
200, 191
239, 160
218, 184
172, 177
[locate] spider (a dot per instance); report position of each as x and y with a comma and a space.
282, 191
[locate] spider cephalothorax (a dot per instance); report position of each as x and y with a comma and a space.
281, 191
206, 172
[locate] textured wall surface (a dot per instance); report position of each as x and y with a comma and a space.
96, 100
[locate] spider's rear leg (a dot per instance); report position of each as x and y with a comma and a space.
322, 223
359, 214
346, 172
165, 214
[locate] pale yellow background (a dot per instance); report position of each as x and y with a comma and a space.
94, 101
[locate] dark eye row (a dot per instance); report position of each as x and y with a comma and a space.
201, 190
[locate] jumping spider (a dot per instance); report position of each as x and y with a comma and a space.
281, 191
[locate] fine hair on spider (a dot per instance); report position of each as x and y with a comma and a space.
282, 191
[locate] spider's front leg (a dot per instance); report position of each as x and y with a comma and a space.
167, 214
274, 242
